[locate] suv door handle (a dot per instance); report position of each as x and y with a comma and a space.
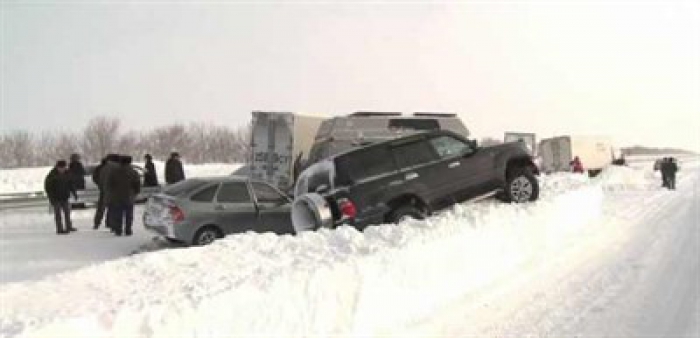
453, 165
411, 176
395, 183
219, 208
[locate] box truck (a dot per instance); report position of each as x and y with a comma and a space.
280, 144
556, 153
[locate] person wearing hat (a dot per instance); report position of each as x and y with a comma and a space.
173, 169
59, 185
124, 185
150, 178
77, 171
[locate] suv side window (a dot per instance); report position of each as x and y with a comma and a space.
414, 124
413, 154
206, 194
267, 194
233, 192
448, 146
365, 163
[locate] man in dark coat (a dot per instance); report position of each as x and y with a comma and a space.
150, 178
77, 171
672, 170
100, 208
173, 169
104, 177
124, 185
59, 186
664, 168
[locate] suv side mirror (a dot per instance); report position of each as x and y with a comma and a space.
473, 144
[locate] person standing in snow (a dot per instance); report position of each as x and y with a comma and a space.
173, 169
150, 178
100, 208
59, 186
104, 177
672, 170
664, 168
77, 171
576, 165
124, 185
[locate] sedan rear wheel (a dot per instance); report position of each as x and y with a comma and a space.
207, 235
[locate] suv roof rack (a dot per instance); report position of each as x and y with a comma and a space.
435, 114
374, 113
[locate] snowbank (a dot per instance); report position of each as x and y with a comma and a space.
319, 283
32, 179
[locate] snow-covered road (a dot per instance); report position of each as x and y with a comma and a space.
612, 256
634, 274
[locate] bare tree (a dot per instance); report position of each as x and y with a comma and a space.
19, 148
51, 146
100, 137
196, 142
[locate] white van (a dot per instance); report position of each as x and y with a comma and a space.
556, 153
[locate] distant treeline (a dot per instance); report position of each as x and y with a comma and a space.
640, 150
196, 143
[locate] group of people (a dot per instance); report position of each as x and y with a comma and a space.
118, 183
668, 167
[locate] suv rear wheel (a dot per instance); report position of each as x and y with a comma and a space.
521, 186
404, 213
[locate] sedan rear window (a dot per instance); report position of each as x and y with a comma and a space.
206, 195
183, 187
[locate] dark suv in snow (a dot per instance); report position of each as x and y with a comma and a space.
409, 177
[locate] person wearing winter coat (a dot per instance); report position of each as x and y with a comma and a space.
104, 176
100, 208
576, 165
58, 186
173, 169
124, 186
150, 178
672, 169
77, 171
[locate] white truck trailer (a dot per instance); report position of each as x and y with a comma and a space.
528, 138
556, 153
280, 144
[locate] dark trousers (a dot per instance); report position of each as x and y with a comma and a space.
122, 216
61, 211
671, 181
100, 212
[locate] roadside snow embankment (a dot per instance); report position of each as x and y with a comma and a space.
319, 283
32, 179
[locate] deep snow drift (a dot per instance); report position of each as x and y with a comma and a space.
389, 280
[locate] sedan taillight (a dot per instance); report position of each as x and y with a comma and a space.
177, 214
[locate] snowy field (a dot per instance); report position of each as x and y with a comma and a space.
611, 256
32, 179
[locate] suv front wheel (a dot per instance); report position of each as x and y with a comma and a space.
521, 186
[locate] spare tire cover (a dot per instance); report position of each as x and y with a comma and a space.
310, 212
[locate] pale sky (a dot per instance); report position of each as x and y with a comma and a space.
628, 69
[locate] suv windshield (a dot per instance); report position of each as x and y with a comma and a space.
180, 188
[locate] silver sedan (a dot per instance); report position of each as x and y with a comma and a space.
198, 211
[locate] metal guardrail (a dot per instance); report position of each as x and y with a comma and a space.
20, 200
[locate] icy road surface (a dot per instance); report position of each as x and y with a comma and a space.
612, 256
